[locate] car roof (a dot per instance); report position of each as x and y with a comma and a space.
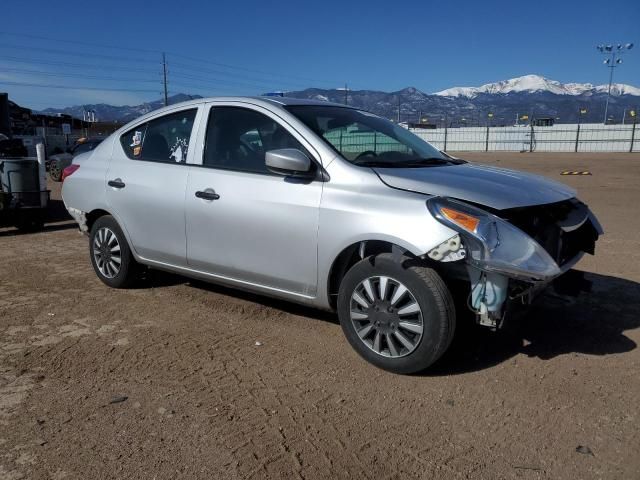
265, 101
287, 101
280, 101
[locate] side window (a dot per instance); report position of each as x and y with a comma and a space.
238, 138
164, 139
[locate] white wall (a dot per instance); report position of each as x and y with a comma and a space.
594, 137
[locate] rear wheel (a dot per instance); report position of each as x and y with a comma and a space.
397, 314
110, 254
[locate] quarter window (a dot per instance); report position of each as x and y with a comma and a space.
165, 139
238, 138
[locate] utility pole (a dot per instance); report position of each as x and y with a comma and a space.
398, 108
164, 79
613, 60
346, 94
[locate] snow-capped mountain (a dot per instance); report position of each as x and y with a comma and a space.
533, 95
536, 83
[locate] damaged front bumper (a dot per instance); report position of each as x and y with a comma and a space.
514, 255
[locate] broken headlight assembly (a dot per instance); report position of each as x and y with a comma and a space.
492, 244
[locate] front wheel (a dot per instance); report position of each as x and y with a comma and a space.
396, 313
110, 254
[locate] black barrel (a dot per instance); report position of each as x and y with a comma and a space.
19, 178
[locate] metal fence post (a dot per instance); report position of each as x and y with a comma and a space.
445, 137
577, 137
531, 139
633, 135
486, 140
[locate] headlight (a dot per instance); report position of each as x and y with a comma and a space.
492, 243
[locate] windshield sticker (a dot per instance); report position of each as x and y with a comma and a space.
179, 150
136, 139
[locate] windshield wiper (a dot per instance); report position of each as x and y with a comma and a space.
424, 162
416, 162
374, 163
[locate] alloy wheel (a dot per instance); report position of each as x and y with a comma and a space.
386, 316
106, 252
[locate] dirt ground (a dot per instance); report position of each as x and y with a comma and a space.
168, 381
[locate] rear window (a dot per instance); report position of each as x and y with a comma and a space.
164, 139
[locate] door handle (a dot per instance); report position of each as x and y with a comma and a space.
117, 183
208, 194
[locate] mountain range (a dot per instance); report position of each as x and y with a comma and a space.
532, 95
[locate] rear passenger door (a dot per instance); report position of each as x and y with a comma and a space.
146, 184
256, 227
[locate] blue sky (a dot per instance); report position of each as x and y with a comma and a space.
249, 47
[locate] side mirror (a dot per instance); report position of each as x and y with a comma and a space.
289, 162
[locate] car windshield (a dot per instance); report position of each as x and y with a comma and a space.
366, 139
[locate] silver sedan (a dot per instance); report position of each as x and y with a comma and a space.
329, 206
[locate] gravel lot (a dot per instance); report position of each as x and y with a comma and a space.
168, 381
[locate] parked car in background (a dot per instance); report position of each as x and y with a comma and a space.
329, 206
57, 163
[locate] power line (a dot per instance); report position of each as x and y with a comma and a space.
76, 75
79, 54
199, 61
77, 42
69, 87
264, 83
31, 61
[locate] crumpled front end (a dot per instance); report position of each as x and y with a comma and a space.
513, 253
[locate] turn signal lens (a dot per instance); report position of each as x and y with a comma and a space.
464, 220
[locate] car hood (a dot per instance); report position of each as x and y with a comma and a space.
493, 187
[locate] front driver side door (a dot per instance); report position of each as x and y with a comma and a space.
256, 227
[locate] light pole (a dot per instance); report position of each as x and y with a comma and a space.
613, 53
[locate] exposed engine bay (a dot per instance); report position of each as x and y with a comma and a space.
562, 233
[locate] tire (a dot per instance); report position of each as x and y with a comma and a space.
110, 254
55, 171
398, 338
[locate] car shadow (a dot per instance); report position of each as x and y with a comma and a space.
282, 305
57, 218
593, 324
